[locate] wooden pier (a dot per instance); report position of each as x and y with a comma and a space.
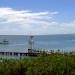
19, 53
31, 51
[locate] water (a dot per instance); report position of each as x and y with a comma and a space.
65, 42
19, 43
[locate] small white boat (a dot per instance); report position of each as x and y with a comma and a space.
4, 42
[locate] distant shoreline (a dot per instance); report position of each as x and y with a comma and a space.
36, 34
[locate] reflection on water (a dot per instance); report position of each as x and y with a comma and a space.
13, 56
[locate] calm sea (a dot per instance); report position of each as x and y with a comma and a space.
19, 43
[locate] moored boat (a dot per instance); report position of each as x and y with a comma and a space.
4, 42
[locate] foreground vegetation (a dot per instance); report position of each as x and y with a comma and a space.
53, 64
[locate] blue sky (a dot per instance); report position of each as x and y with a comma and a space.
41, 17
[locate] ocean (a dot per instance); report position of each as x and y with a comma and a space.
19, 43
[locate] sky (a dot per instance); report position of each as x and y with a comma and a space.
40, 17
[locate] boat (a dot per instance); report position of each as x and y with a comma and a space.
4, 42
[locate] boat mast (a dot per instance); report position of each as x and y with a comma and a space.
31, 42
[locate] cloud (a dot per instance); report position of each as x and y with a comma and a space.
10, 15
20, 22
63, 28
23, 19
69, 25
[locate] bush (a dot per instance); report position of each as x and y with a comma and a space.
53, 64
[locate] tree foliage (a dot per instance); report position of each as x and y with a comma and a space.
53, 64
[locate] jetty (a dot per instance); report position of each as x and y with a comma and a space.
20, 53
30, 52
